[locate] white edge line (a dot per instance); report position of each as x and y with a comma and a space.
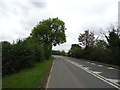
49, 76
98, 76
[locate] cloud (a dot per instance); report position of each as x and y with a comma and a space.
17, 18
38, 4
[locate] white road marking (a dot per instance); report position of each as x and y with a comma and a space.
72, 62
49, 76
114, 80
93, 63
111, 82
88, 62
86, 68
80, 66
110, 68
76, 64
100, 65
96, 72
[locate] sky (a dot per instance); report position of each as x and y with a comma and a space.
17, 18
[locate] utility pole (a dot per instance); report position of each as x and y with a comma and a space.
118, 17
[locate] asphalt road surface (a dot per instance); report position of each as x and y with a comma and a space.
69, 72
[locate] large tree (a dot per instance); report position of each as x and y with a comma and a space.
49, 33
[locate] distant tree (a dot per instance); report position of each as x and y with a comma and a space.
50, 32
56, 52
113, 39
75, 46
101, 44
87, 39
63, 53
75, 51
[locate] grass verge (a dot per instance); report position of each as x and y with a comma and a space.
29, 78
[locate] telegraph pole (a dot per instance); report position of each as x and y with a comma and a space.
118, 17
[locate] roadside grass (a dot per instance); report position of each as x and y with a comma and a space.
35, 77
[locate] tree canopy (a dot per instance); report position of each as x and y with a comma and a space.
50, 31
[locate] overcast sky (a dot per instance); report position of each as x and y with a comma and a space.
17, 18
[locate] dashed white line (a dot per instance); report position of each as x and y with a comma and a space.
76, 64
100, 65
96, 72
93, 63
110, 68
87, 68
73, 62
80, 66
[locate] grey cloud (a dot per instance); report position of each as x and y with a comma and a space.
39, 4
15, 8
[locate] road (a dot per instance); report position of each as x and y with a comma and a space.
69, 72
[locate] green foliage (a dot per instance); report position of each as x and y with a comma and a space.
49, 32
98, 50
114, 46
76, 51
36, 48
16, 56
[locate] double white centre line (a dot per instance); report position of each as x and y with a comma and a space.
96, 74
